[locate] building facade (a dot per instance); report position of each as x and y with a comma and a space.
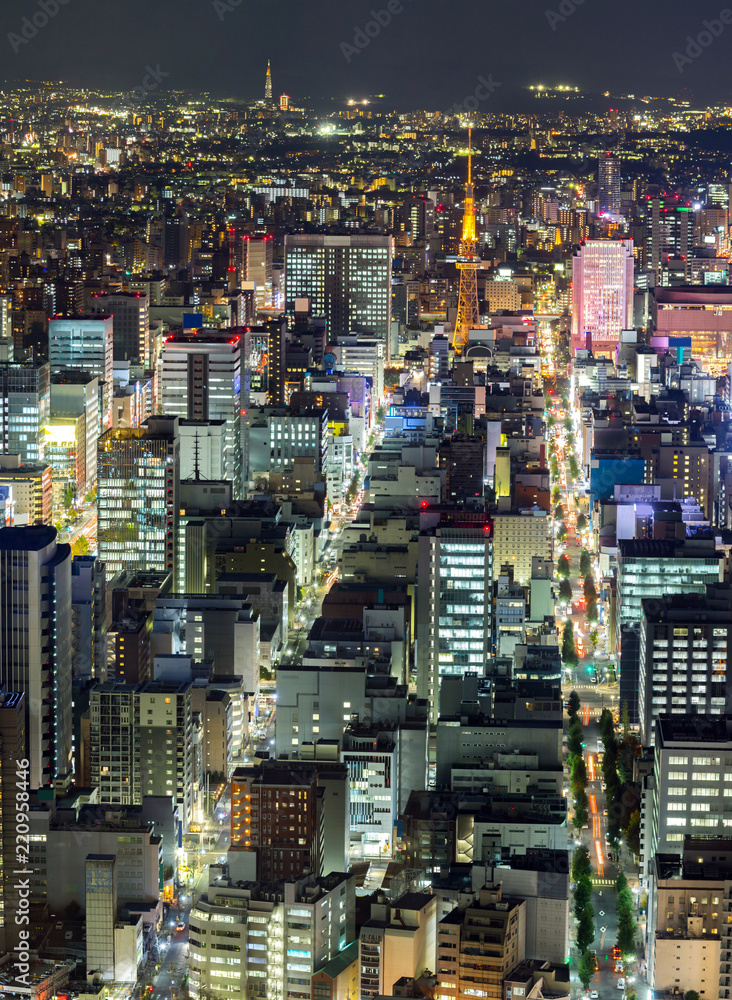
602, 301
202, 379
138, 496
455, 592
35, 644
346, 278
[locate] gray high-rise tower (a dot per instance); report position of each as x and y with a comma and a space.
608, 184
35, 644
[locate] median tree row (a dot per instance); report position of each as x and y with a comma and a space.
569, 650
621, 792
584, 912
626, 922
577, 770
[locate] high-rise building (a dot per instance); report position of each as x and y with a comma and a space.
32, 489
602, 298
653, 568
463, 458
418, 217
130, 323
35, 644
256, 266
608, 185
363, 356
164, 743
347, 279
6, 325
201, 380
669, 231
76, 394
88, 616
702, 314
274, 818
141, 743
137, 499
691, 782
455, 593
518, 536
278, 437
685, 646
25, 408
83, 343
111, 742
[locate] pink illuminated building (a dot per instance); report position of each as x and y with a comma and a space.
602, 293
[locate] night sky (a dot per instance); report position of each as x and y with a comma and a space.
432, 54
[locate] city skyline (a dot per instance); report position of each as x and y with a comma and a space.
364, 50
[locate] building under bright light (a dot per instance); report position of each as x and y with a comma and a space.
346, 278
602, 300
138, 486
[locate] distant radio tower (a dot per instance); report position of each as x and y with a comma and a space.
268, 84
468, 264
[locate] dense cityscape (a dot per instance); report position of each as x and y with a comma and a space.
365, 542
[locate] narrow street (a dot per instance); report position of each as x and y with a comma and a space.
593, 679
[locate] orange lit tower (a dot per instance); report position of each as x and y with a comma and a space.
468, 264
268, 83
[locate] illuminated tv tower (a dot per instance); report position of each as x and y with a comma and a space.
468, 264
268, 84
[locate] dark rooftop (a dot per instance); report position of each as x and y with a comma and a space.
32, 538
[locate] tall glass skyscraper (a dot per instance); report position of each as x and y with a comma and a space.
346, 278
455, 581
138, 496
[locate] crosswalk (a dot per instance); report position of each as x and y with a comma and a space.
596, 880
